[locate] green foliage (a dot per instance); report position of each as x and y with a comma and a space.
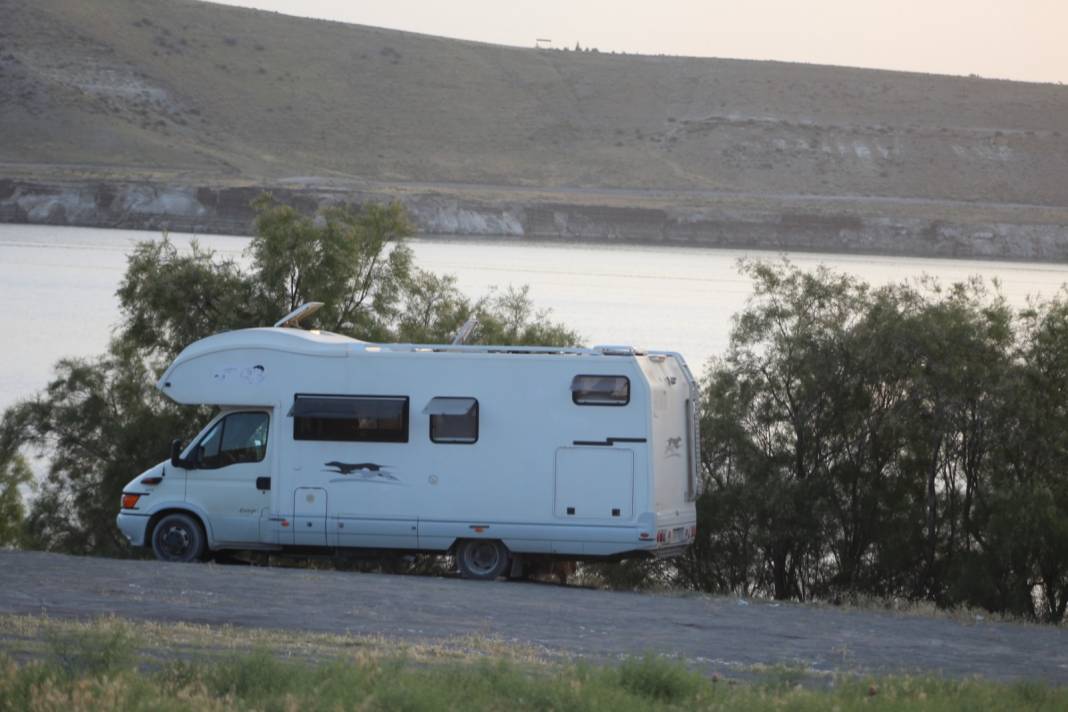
509, 317
434, 309
627, 575
260, 681
1024, 514
902, 442
93, 651
659, 679
101, 421
14, 475
351, 260
169, 299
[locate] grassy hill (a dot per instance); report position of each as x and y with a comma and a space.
180, 90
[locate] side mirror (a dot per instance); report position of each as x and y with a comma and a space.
176, 454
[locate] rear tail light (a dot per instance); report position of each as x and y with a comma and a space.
129, 501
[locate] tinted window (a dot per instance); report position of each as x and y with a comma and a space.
208, 450
453, 420
350, 418
237, 438
600, 390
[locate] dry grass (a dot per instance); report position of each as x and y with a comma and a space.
925, 609
28, 637
193, 91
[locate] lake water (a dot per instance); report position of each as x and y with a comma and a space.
59, 289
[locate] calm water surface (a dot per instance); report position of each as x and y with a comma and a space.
59, 289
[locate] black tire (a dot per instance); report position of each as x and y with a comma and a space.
482, 559
178, 538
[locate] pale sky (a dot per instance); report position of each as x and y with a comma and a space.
1010, 39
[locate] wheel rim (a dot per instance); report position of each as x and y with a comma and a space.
175, 541
482, 558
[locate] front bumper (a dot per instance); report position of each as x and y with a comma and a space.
133, 525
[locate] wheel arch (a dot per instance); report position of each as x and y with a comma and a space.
197, 517
504, 553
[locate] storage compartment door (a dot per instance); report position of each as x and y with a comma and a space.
309, 516
594, 483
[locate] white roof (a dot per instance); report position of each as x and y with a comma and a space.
315, 343
289, 339
216, 350
324, 343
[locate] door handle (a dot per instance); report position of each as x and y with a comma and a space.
263, 483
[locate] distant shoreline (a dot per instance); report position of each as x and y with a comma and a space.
833, 224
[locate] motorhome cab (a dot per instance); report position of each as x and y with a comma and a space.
327, 444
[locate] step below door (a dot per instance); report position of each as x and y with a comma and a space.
309, 516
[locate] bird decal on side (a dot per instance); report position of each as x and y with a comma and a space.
360, 472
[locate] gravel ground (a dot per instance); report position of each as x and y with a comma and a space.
716, 634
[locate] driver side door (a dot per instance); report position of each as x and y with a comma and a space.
228, 460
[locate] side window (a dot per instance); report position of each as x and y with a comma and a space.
382, 419
453, 420
600, 390
237, 438
207, 453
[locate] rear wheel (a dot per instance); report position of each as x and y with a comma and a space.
482, 559
178, 537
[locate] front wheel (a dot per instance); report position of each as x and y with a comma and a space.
178, 537
482, 559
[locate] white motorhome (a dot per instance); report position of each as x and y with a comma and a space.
326, 444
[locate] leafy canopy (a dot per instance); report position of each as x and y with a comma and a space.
906, 442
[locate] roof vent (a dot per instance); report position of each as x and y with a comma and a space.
465, 331
292, 319
616, 350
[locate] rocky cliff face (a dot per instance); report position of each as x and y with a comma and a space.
724, 223
152, 113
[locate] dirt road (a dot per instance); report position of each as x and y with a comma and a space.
715, 634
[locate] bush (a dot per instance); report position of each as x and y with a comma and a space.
659, 679
97, 650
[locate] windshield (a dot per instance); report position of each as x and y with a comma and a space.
237, 438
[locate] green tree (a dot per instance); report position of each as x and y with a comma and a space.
98, 424
354, 261
907, 441
959, 345
726, 555
509, 317
15, 474
785, 361
433, 309
101, 421
1020, 561
1045, 368
168, 299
